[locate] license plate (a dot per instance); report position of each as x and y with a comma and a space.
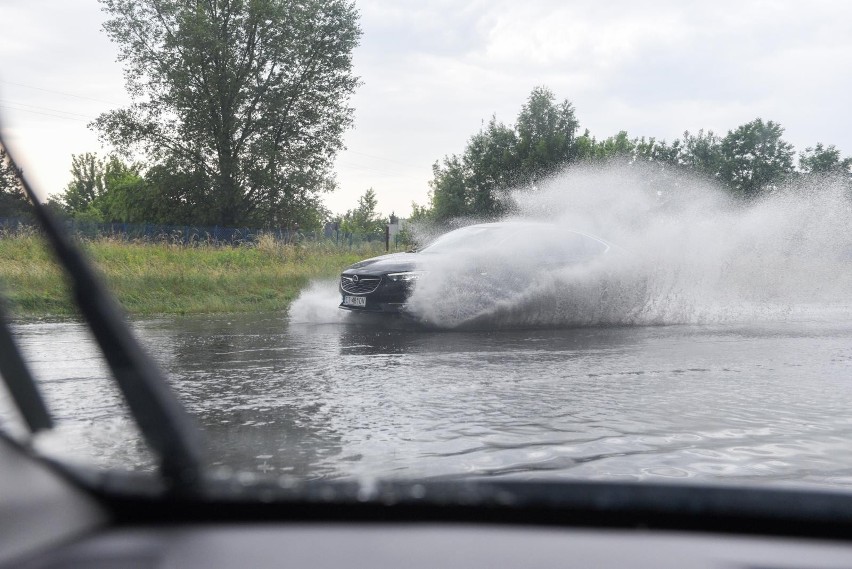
355, 301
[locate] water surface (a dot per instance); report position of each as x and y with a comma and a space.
764, 402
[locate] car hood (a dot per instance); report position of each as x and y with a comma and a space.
395, 262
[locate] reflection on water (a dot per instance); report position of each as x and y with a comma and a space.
351, 398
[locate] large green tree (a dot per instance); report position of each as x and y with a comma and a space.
251, 96
499, 157
492, 164
545, 131
450, 196
754, 157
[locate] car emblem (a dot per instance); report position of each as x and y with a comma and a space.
354, 278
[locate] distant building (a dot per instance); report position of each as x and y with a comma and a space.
330, 229
395, 226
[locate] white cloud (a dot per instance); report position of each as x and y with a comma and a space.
593, 38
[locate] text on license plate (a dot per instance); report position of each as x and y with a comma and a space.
355, 300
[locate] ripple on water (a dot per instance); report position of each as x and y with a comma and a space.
353, 401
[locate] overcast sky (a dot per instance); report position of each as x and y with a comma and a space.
433, 70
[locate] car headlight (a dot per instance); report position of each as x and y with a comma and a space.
405, 277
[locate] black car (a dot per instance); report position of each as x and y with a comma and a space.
384, 284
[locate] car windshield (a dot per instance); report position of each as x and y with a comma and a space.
631, 222
537, 243
470, 238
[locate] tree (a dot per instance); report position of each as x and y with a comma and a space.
85, 187
124, 190
108, 191
545, 131
653, 150
754, 157
13, 201
364, 219
164, 195
449, 189
419, 213
618, 147
491, 163
499, 157
8, 175
823, 160
249, 95
700, 153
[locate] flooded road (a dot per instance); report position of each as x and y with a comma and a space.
349, 398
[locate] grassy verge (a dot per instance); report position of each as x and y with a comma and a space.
166, 279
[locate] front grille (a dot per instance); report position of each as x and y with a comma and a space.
364, 285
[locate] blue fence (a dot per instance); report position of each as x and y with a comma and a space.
190, 235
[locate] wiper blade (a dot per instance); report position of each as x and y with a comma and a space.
19, 381
163, 421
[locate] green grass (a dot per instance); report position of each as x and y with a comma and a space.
166, 279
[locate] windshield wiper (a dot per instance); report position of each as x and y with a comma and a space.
163, 421
19, 381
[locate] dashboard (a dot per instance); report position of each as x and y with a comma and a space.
414, 546
48, 521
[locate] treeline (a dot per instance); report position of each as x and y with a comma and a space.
109, 191
113, 191
751, 159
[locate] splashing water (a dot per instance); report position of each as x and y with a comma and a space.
693, 256
317, 305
